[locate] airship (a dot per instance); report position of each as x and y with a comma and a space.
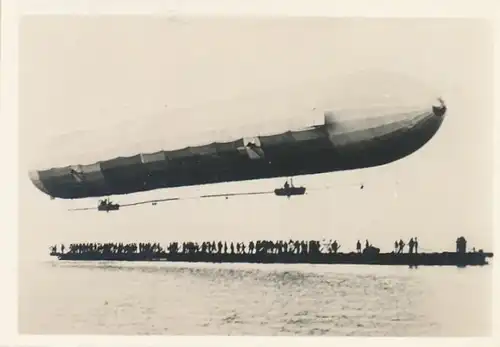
340, 143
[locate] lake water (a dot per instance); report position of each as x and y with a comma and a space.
239, 299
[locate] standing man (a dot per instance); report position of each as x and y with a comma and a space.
411, 243
401, 246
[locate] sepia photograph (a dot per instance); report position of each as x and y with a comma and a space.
255, 176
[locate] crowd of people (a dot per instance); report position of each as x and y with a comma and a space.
399, 246
115, 248
213, 247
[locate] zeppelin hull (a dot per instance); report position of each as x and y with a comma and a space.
334, 146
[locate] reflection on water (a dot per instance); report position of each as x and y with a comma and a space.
226, 299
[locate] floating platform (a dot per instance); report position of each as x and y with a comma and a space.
420, 259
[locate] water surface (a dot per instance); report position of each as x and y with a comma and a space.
253, 299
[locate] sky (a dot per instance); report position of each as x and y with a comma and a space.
91, 88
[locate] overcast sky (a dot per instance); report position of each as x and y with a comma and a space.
93, 88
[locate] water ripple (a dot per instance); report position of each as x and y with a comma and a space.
187, 299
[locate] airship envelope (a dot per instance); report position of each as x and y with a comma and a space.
348, 138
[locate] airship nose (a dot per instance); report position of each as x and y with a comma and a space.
439, 109
37, 182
